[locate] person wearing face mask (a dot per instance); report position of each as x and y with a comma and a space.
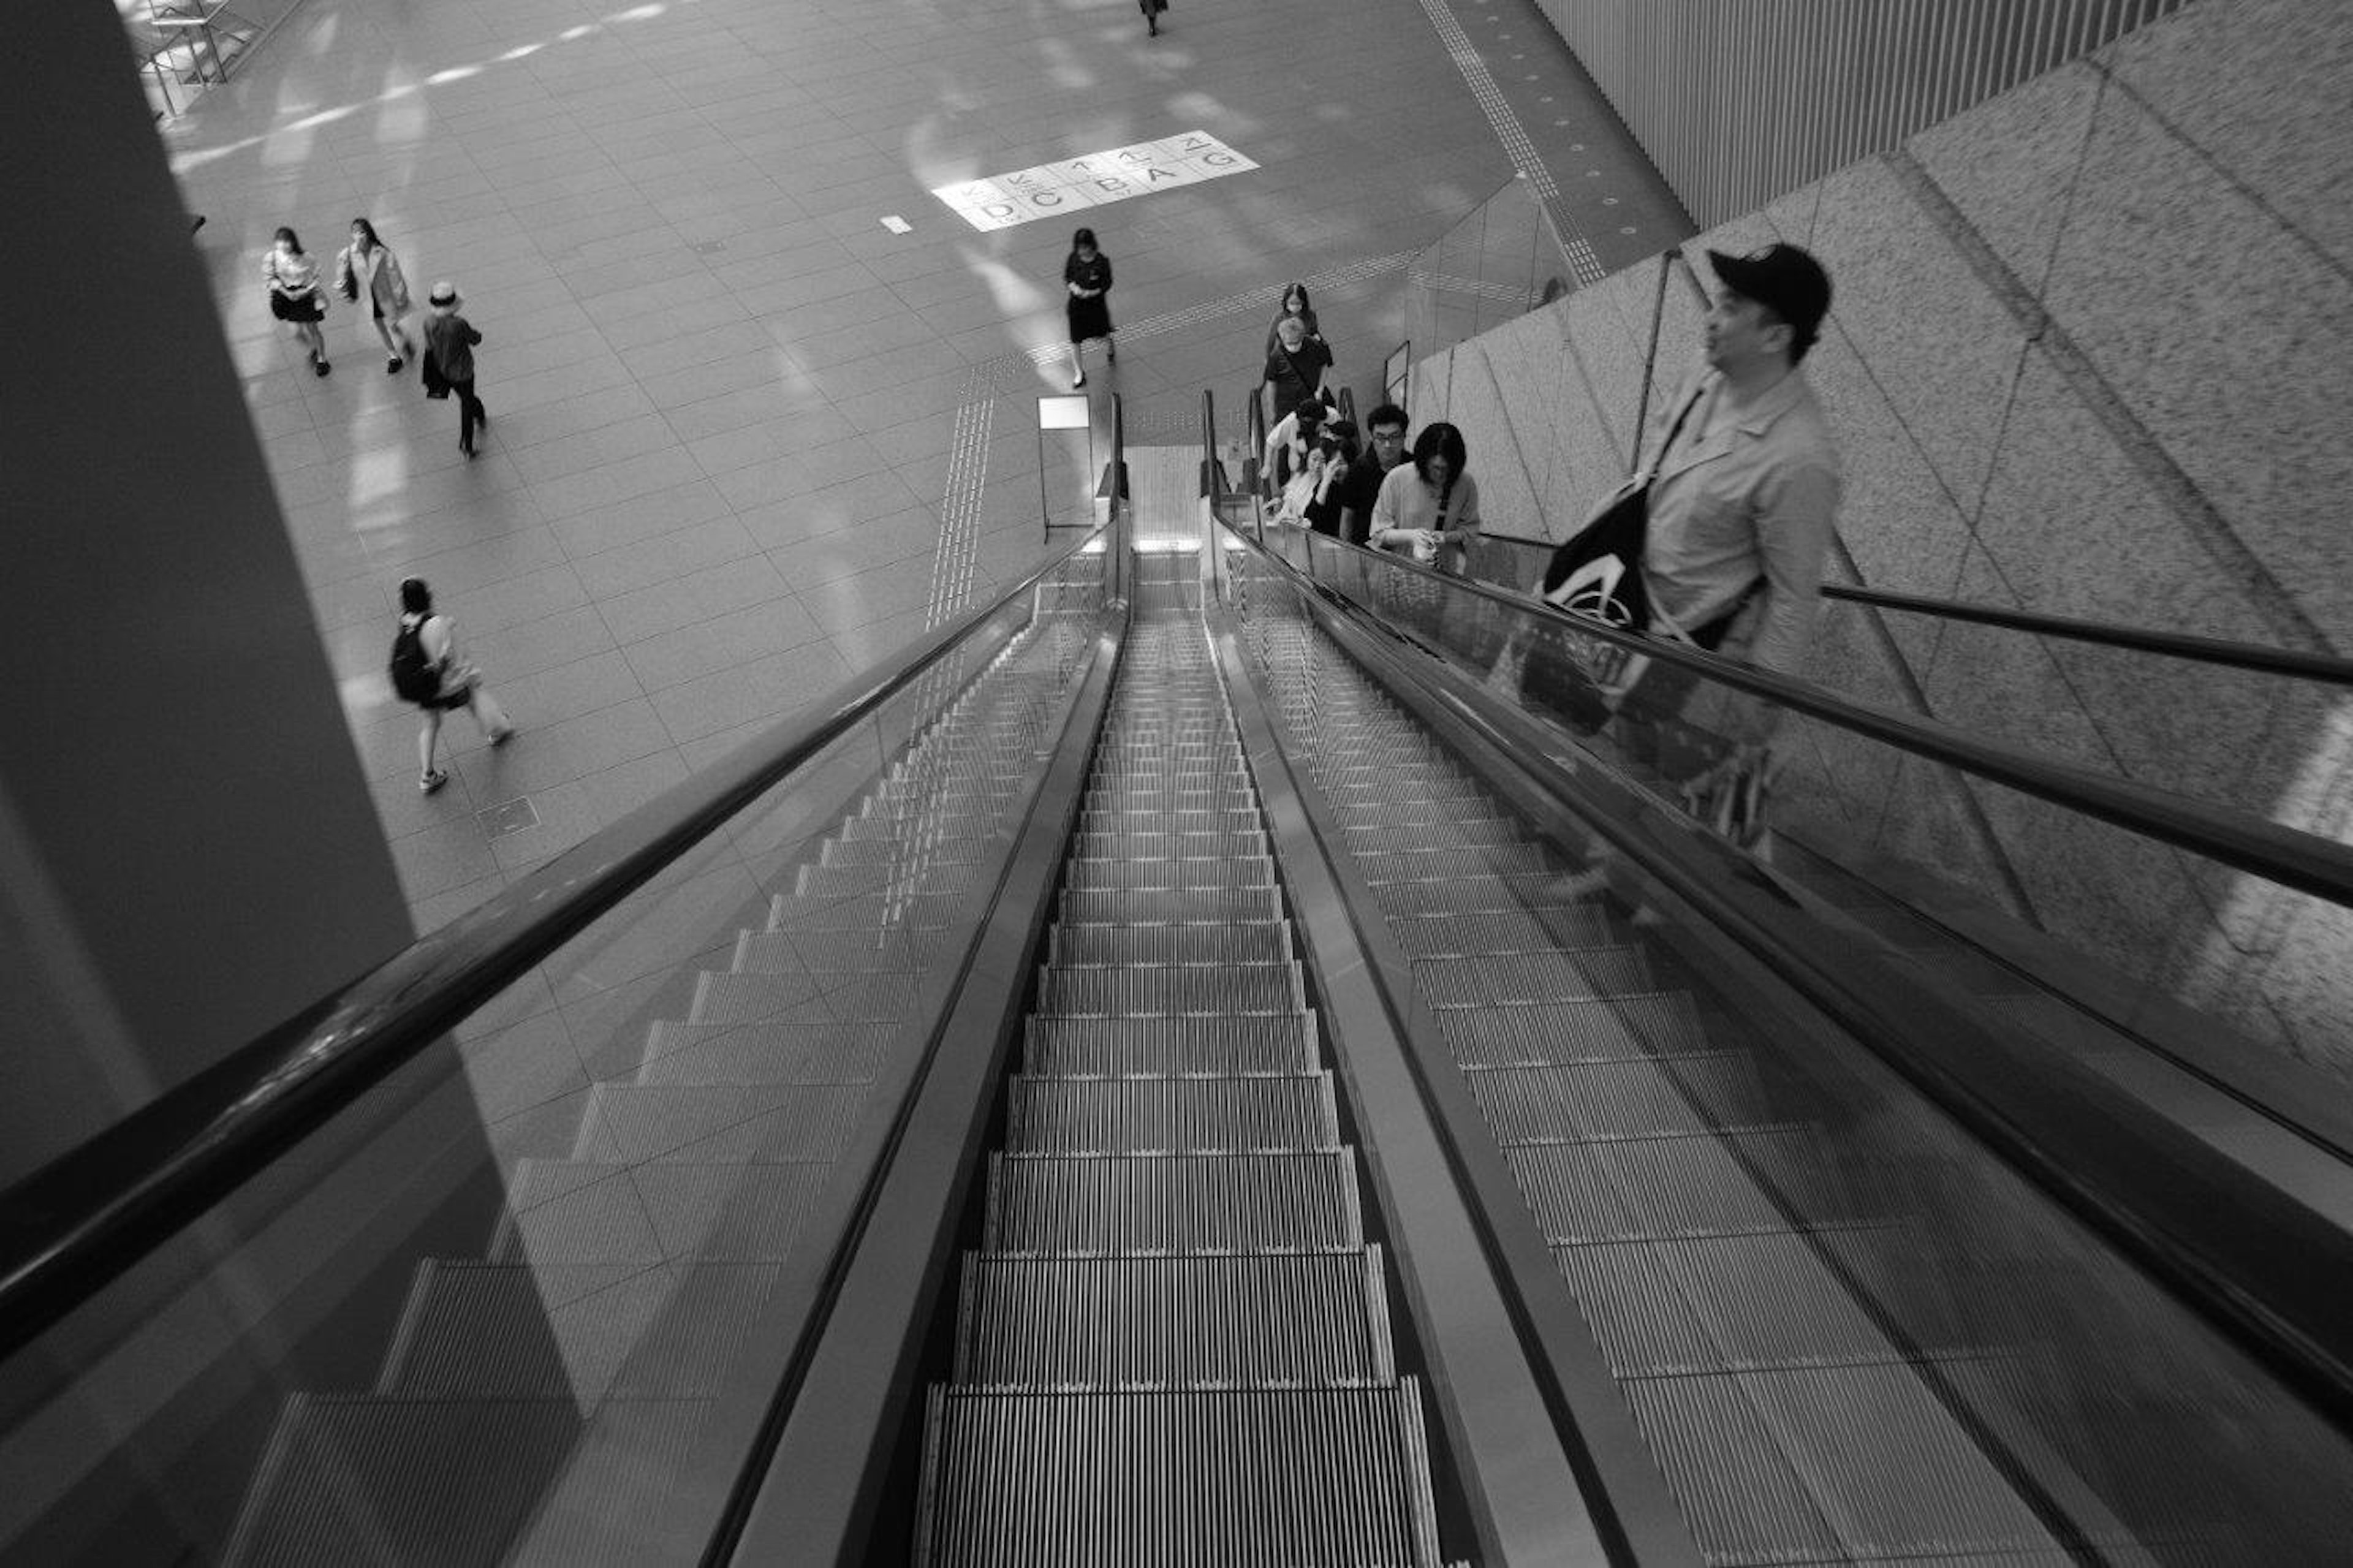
1429, 508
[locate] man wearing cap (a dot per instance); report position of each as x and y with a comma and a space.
1741, 510
449, 338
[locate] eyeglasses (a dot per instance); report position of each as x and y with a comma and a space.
1395, 441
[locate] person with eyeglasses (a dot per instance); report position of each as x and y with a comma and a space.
1361, 486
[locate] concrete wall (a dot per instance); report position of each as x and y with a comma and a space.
2092, 354
187, 849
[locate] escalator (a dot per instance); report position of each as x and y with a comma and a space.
1055, 1163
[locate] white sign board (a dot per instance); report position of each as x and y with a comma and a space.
1061, 189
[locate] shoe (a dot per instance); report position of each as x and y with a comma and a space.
321, 366
1078, 381
1111, 351
431, 781
392, 367
463, 448
499, 737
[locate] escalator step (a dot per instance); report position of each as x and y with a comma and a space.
1132, 990
1174, 1322
1454, 831
1168, 845
866, 912
1506, 930
1170, 1115
1262, 941
1219, 821
1507, 892
1091, 876
1866, 1464
953, 823
1579, 1102
1122, 906
487, 1330
1453, 864
937, 848
730, 998
1585, 972
1537, 1032
564, 1212
1171, 1203
1112, 1047
765, 1052
1639, 1188
933, 876
840, 952
625, 1123
1164, 1480
1701, 1304
1169, 797
1399, 810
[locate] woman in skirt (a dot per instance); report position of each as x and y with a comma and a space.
1087, 275
294, 296
367, 270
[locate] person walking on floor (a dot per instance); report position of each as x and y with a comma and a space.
1152, 10
449, 338
430, 669
294, 296
1086, 273
368, 267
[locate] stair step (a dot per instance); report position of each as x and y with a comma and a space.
1168, 845
1580, 1101
1170, 1115
1484, 894
376, 1478
1461, 832
1113, 1048
765, 1052
845, 952
1532, 977
1443, 807
913, 849
566, 1213
1506, 930
956, 822
1161, 1479
1089, 876
731, 998
1131, 990
850, 882
1260, 941
1531, 1034
1451, 864
868, 911
1191, 821
1642, 1188
1125, 906
475, 1329
624, 1123
1171, 1203
1172, 1322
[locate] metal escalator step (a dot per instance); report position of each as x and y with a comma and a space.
1505, 893
1455, 864
868, 911
1532, 977
765, 1052
1145, 906
1580, 1101
1115, 1048
1129, 990
732, 998
1188, 1115
1725, 1303
1634, 1189
952, 823
1171, 1203
1454, 831
1168, 794
563, 1213
910, 849
1151, 1480
1089, 876
1443, 807
837, 952
474, 1330
1256, 1319
1260, 941
1866, 1463
933, 876
626, 1123
1529, 1033
1168, 845
1506, 930
1218, 821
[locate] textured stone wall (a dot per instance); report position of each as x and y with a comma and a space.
2092, 354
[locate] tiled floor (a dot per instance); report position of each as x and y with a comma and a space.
746, 437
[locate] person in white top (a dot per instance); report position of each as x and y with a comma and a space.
1289, 443
461, 681
367, 270
1429, 508
294, 299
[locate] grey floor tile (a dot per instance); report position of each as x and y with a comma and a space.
447, 854
767, 688
544, 754
584, 685
679, 553
693, 598
723, 642
641, 517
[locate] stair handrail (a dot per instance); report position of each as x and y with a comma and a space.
2306, 862
2299, 663
75, 1225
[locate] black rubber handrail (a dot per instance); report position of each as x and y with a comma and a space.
2304, 861
80, 1221
2295, 662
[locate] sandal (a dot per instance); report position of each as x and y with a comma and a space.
431, 781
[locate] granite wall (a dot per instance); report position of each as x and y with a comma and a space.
2091, 355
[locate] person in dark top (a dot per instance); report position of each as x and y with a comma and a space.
1361, 487
449, 338
1294, 303
1338, 446
1086, 273
1152, 10
1299, 368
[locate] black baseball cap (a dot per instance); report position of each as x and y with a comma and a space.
1785, 279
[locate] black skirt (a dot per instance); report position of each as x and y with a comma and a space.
1090, 319
306, 309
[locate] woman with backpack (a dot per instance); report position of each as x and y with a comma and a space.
429, 669
367, 269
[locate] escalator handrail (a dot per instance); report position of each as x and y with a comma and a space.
2289, 857
81, 1220
2226, 651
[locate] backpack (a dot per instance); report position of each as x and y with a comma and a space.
415, 677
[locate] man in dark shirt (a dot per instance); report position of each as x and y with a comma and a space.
1361, 486
1299, 367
